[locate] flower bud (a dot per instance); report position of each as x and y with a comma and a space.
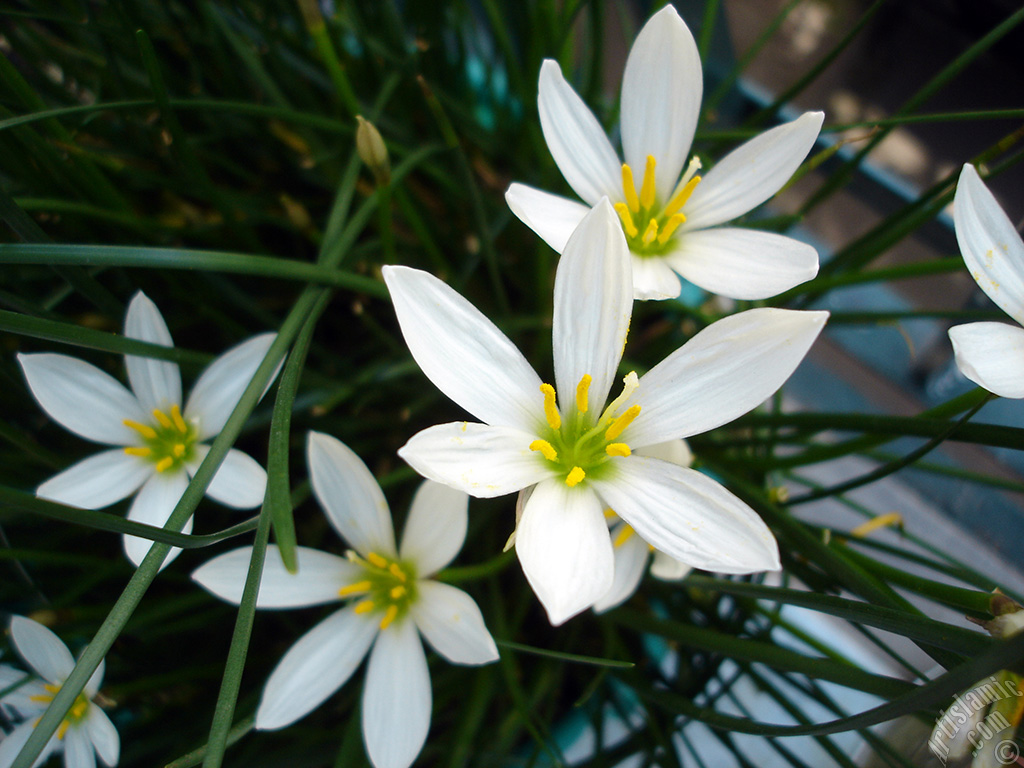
372, 151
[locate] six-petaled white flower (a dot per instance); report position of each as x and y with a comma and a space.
576, 450
394, 600
989, 353
162, 441
670, 215
85, 732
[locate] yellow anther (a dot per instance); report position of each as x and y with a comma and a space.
617, 449
629, 187
880, 521
397, 572
164, 464
364, 607
545, 448
397, 592
680, 197
352, 589
609, 513
376, 560
622, 422
62, 730
79, 708
41, 698
581, 393
162, 417
389, 616
179, 449
627, 219
670, 226
650, 233
550, 409
179, 422
647, 192
623, 536
575, 477
143, 429
139, 451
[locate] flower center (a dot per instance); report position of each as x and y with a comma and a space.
386, 585
647, 225
169, 442
74, 716
579, 445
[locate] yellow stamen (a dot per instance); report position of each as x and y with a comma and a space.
550, 409
143, 429
623, 536
79, 708
680, 198
545, 448
627, 220
609, 513
397, 572
651, 232
62, 730
376, 560
179, 449
161, 417
389, 616
364, 607
629, 187
670, 226
617, 449
179, 422
581, 393
881, 521
164, 464
41, 698
139, 451
622, 422
397, 592
351, 589
575, 477
647, 192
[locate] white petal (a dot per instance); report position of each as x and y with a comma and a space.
20, 700
593, 305
317, 581
991, 247
350, 495
576, 140
676, 451
12, 743
743, 263
551, 216
435, 528
721, 373
689, 516
462, 352
153, 505
563, 545
78, 749
98, 481
630, 563
157, 383
483, 461
92, 685
103, 736
240, 481
992, 355
661, 92
452, 623
654, 279
397, 698
752, 172
315, 667
220, 386
668, 568
41, 649
82, 398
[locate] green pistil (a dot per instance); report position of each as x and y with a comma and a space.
387, 586
169, 442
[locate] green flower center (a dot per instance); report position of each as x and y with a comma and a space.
169, 442
648, 226
74, 716
387, 586
579, 445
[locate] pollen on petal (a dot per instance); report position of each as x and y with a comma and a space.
617, 449
622, 422
582, 389
550, 408
575, 477
545, 448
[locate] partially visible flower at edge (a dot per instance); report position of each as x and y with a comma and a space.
670, 216
394, 601
85, 729
990, 354
162, 441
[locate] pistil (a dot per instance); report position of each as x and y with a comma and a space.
649, 229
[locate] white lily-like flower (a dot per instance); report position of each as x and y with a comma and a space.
394, 601
671, 221
85, 732
578, 452
161, 442
990, 354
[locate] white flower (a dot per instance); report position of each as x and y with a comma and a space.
85, 732
162, 442
672, 218
990, 354
393, 598
577, 451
